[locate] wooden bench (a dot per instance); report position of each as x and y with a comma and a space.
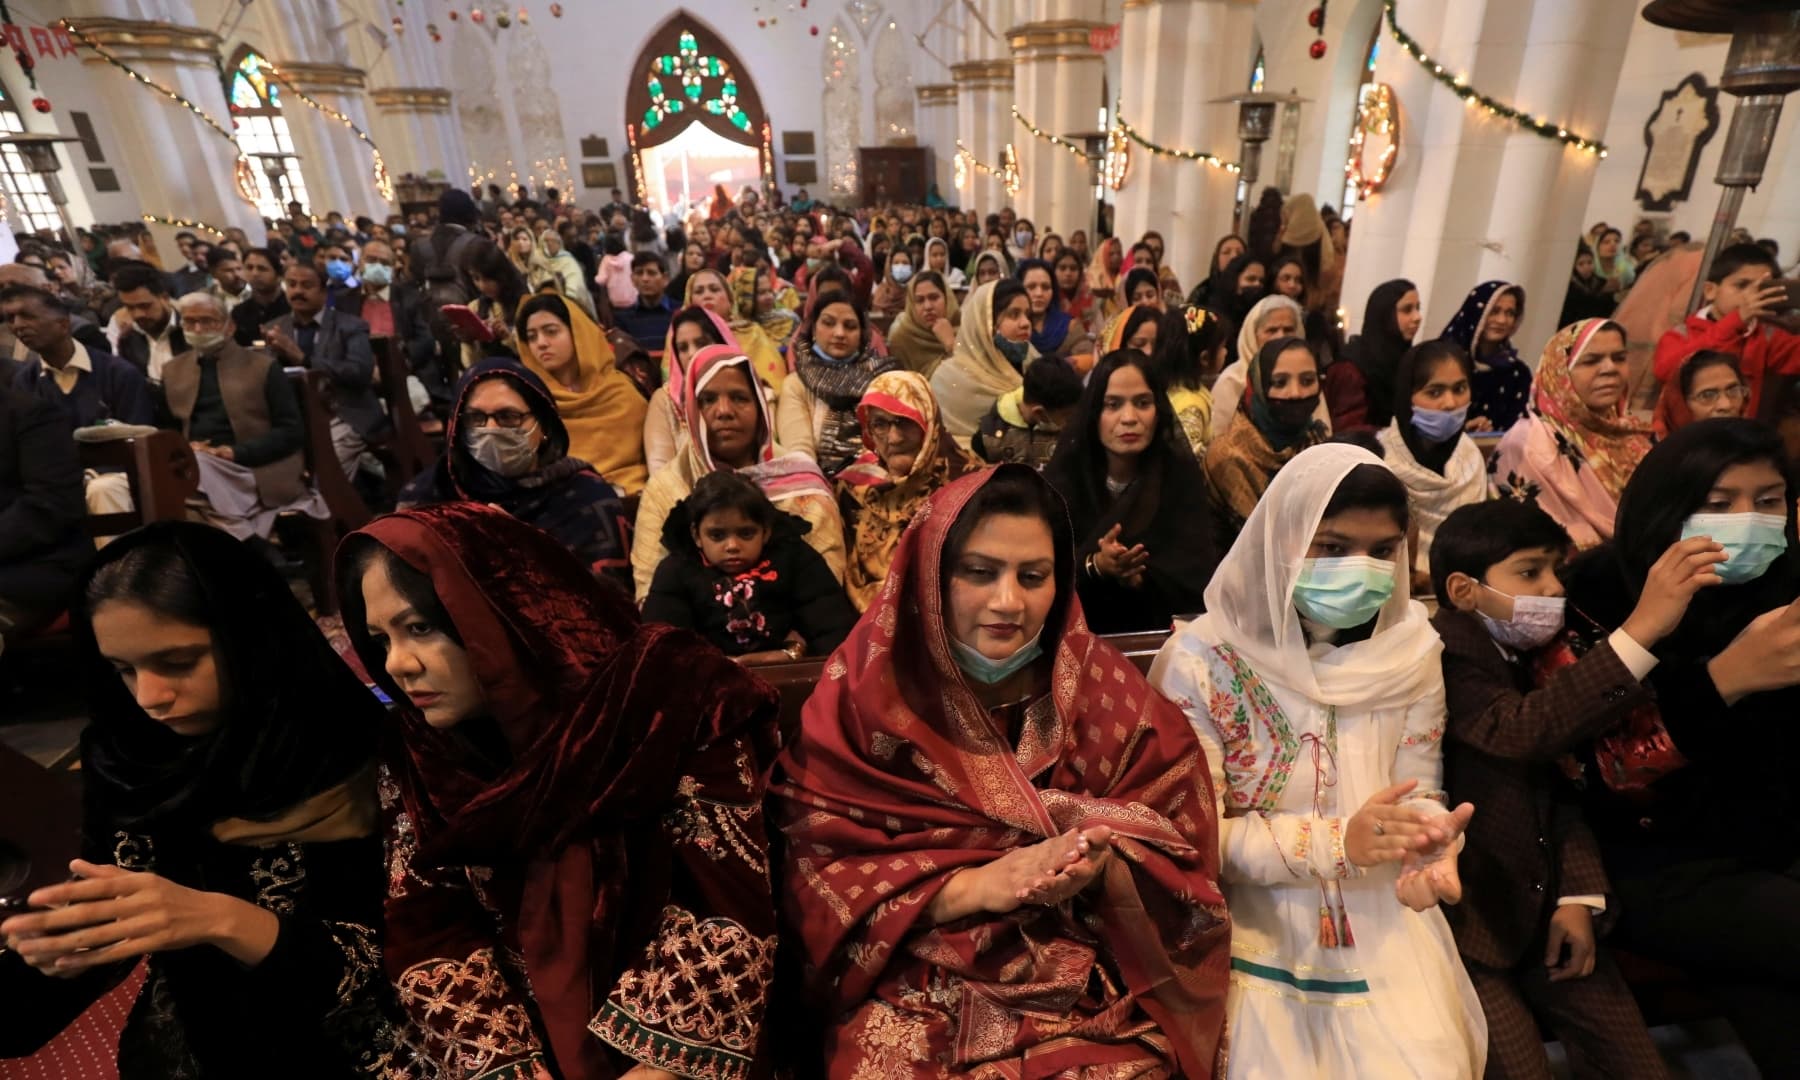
162, 473
406, 451
346, 509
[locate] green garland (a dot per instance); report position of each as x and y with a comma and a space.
1057, 140
1168, 151
1474, 98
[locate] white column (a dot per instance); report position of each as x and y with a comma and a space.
1150, 34
984, 81
936, 111
408, 127
1058, 82
174, 163
339, 167
1205, 196
1472, 197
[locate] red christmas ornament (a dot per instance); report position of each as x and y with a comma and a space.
41, 103
814, 31
556, 11
761, 23
477, 16
524, 17
1317, 49
399, 27
1315, 18
453, 15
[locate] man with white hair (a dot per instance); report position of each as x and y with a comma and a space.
239, 414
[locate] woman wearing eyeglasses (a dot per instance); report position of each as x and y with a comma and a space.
1709, 385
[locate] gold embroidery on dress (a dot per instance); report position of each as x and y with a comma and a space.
132, 851
467, 1022
277, 874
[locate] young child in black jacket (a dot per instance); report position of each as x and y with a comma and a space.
740, 572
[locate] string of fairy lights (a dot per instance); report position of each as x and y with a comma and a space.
183, 223
1115, 159
1160, 150
1007, 172
384, 184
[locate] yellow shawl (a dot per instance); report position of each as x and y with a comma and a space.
967, 385
911, 342
765, 355
605, 417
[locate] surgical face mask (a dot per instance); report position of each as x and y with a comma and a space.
1535, 620
338, 270
1439, 425
1014, 351
902, 272
506, 451
1751, 542
206, 343
379, 275
1022, 238
1343, 592
397, 229
987, 671
824, 357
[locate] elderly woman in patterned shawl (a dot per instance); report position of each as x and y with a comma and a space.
577, 876
1002, 850
907, 456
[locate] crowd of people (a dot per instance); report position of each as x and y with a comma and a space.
1466, 663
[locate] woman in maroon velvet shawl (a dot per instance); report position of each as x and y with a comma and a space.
577, 866
1002, 858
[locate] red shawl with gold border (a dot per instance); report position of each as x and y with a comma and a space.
900, 778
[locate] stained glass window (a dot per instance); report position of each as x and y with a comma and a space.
262, 134
691, 72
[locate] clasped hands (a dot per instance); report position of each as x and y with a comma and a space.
1423, 843
1044, 873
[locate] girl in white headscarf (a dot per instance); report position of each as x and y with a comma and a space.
1274, 316
1314, 684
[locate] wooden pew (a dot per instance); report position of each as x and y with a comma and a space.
407, 450
161, 471
346, 508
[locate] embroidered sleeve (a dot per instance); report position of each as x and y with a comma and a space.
1419, 755
693, 1001
465, 1016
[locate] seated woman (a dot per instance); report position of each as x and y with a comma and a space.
1578, 444
1040, 852
1698, 823
229, 830
937, 260
1245, 281
1142, 287
600, 407
690, 330
925, 333
988, 266
1279, 419
907, 456
993, 348
1053, 331
1073, 294
889, 298
1104, 273
729, 427
1216, 284
833, 364
740, 573
1137, 327
499, 290
505, 445
713, 291
1274, 316
1314, 684
1424, 445
1143, 527
1709, 385
1483, 327
1190, 345
575, 866
1360, 393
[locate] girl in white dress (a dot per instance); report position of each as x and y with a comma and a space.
1314, 685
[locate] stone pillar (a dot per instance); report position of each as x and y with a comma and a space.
1472, 197
1059, 83
984, 92
1205, 196
937, 129
174, 163
1152, 31
339, 167
408, 122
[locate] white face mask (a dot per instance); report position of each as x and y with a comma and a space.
1535, 621
506, 451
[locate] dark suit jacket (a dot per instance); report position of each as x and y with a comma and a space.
1528, 843
114, 390
343, 353
411, 322
43, 543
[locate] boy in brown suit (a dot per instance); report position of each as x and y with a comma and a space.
1534, 886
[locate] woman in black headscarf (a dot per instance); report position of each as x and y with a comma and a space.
1244, 282
1361, 392
1136, 498
1693, 795
228, 830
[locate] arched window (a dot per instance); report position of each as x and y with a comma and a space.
27, 199
1351, 191
1258, 73
262, 134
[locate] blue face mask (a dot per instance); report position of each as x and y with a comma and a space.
380, 275
1439, 425
987, 671
1344, 592
901, 273
338, 270
1014, 351
1751, 541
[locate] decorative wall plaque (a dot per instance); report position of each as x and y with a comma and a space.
1676, 132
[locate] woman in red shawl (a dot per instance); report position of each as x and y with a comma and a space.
578, 880
1002, 858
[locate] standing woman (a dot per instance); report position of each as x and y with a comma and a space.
600, 406
1361, 393
1483, 328
1142, 524
1303, 233
229, 829
925, 333
993, 348
563, 269
1001, 853
1314, 684
834, 362
1425, 446
906, 458
1103, 276
1054, 332
576, 869
1578, 444
1279, 419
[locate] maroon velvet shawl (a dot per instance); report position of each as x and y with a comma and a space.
597, 712
900, 778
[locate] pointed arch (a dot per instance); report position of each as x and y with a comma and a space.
686, 74
478, 110
262, 133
